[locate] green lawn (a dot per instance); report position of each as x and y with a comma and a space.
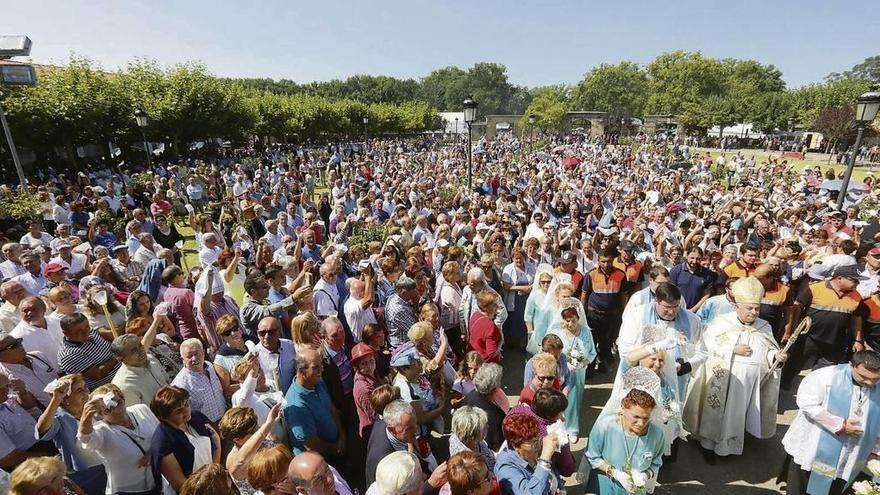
812, 162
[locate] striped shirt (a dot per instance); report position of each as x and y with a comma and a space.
77, 357
205, 391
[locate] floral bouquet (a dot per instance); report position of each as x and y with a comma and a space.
869, 487
577, 359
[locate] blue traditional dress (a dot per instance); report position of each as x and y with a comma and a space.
628, 453
581, 344
713, 307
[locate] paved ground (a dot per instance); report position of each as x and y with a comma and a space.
753, 473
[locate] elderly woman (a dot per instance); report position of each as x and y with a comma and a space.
212, 303
239, 425
468, 474
416, 389
536, 317
551, 344
267, 471
41, 475
207, 384
469, 428
363, 360
59, 423
545, 376
548, 407
398, 473
448, 300
121, 437
517, 279
485, 395
626, 450
464, 381
524, 466
184, 440
577, 345
233, 348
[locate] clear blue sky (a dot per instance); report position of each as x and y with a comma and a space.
540, 42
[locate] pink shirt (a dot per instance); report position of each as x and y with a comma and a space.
182, 301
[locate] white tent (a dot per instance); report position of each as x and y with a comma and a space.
744, 130
449, 122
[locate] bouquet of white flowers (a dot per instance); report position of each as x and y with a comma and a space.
865, 488
577, 359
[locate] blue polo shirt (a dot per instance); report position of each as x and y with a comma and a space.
309, 414
693, 285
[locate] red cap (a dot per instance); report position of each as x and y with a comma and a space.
875, 251
361, 350
53, 267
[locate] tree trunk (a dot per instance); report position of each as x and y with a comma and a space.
71, 153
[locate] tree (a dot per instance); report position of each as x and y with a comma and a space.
621, 88
835, 123
869, 70
549, 109
808, 101
679, 78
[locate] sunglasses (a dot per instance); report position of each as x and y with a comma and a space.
546, 378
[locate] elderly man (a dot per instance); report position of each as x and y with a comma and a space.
313, 420
358, 307
77, 264
12, 293
397, 431
328, 300
139, 375
210, 249
276, 355
17, 425
30, 368
128, 270
400, 310
738, 380
33, 279
207, 383
84, 351
12, 267
37, 332
311, 474
146, 252
486, 381
476, 283
56, 275
272, 236
256, 303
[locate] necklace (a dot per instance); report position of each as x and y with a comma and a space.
627, 465
860, 403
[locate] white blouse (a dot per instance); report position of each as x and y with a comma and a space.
121, 450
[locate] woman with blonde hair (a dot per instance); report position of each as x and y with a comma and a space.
41, 476
305, 330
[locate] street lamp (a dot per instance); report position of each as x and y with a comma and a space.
15, 75
366, 121
867, 106
470, 116
141, 118
532, 120
456, 129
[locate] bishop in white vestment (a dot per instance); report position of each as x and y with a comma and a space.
736, 391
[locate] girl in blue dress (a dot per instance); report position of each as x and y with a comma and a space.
577, 346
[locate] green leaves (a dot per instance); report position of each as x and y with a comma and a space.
621, 88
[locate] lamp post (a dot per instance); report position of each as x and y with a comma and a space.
622, 127
866, 110
141, 118
456, 130
532, 120
366, 136
470, 116
15, 74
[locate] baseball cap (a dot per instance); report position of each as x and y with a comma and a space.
875, 251
848, 271
53, 267
404, 355
567, 257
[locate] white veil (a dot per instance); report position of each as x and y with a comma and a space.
540, 301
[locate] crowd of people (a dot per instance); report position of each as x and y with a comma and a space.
348, 313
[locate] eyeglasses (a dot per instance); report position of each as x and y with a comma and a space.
14, 345
546, 378
266, 332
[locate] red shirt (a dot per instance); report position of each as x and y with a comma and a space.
485, 337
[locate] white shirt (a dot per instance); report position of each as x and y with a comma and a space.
118, 448
10, 269
44, 240
326, 298
246, 396
801, 441
144, 255
46, 340
357, 317
32, 284
76, 265
207, 256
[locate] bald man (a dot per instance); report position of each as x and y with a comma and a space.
311, 474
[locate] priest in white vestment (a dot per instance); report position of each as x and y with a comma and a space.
679, 324
736, 391
837, 428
